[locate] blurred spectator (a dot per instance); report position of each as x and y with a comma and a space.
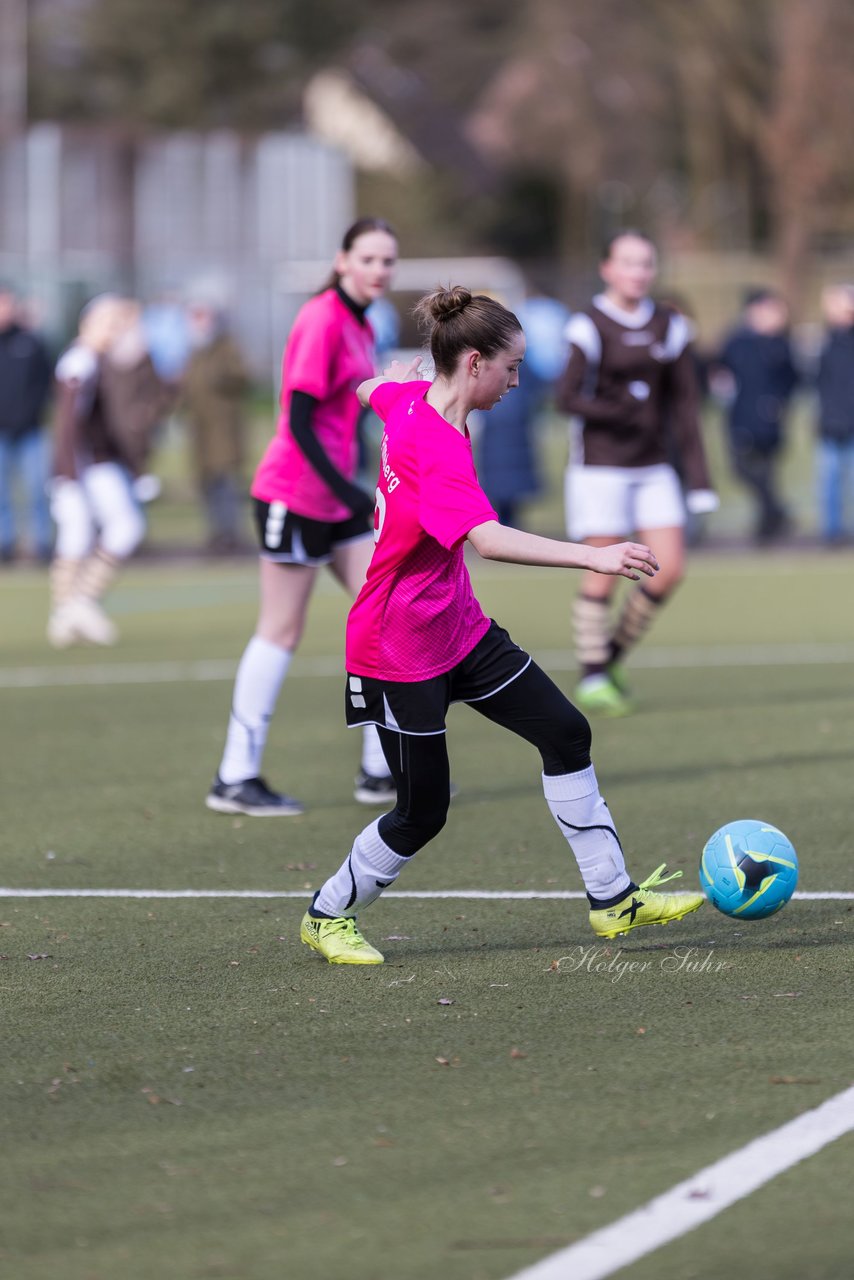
98, 521
385, 322
507, 463
384, 319
167, 333
759, 377
215, 389
25, 382
835, 386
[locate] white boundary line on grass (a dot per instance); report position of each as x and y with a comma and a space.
700, 1197
518, 895
694, 657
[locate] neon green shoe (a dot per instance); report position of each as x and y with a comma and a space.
338, 940
616, 673
599, 696
643, 906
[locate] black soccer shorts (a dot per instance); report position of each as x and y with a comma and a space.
419, 707
287, 538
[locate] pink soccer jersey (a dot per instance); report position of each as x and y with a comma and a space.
417, 616
327, 355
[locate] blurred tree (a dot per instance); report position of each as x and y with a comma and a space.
245, 65
807, 130
719, 124
178, 63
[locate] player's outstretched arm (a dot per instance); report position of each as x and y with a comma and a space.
496, 541
397, 371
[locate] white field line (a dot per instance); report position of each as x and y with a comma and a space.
204, 671
466, 895
700, 1197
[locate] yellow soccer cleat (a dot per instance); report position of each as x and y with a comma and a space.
643, 906
338, 940
601, 696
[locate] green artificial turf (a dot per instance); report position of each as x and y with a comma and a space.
188, 1092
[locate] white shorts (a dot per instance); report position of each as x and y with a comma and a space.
99, 505
604, 502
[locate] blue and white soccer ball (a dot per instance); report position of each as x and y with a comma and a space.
748, 870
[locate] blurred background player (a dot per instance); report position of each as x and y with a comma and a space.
757, 360
215, 391
835, 426
631, 385
417, 639
138, 400
25, 383
310, 513
98, 520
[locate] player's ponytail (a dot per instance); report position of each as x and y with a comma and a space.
454, 320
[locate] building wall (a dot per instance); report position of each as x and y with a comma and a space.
83, 210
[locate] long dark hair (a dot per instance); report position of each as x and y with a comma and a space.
455, 320
360, 227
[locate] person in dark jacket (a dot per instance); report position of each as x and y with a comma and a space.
25, 380
835, 386
758, 358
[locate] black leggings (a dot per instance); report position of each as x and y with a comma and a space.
531, 706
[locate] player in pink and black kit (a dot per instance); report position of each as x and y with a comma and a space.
310, 513
417, 639
630, 383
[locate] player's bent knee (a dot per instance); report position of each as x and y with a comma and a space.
568, 748
406, 833
122, 536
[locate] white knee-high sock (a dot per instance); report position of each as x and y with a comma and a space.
587, 825
371, 867
262, 669
373, 758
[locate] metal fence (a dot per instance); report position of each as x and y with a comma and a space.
83, 210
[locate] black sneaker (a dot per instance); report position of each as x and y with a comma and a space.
371, 789
253, 797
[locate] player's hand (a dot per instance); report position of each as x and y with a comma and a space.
397, 371
625, 559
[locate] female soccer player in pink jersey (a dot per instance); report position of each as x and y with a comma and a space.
309, 513
630, 383
417, 639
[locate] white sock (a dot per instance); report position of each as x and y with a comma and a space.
587, 825
371, 867
262, 669
373, 759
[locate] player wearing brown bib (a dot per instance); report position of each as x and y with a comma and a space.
631, 388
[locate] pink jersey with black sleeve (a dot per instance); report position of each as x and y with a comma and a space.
417, 616
329, 352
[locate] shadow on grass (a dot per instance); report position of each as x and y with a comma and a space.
630, 946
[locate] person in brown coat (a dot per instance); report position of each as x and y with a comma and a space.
215, 388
